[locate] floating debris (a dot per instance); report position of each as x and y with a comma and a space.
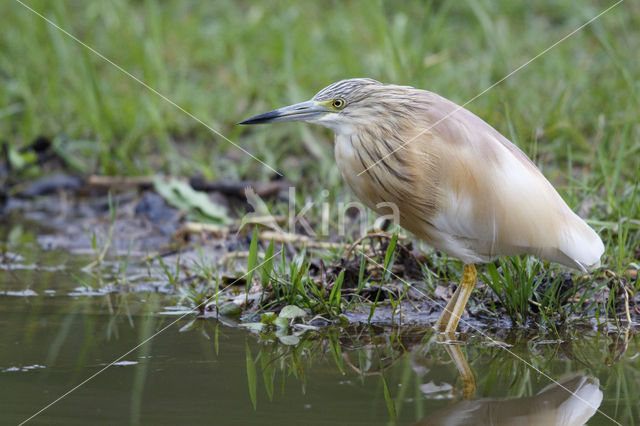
23, 369
125, 363
21, 293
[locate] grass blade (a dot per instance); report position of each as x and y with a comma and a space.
251, 261
252, 379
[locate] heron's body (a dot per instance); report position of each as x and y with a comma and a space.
464, 188
457, 182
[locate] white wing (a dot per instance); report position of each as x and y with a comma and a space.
495, 201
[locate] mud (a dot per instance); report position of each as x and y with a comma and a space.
137, 228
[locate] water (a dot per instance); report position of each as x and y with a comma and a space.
214, 372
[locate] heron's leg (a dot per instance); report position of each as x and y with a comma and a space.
469, 275
460, 361
445, 316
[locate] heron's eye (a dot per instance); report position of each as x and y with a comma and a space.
338, 103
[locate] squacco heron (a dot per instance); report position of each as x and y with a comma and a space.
459, 184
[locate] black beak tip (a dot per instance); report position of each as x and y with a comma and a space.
251, 120
265, 118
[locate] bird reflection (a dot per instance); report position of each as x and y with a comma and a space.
572, 400
460, 361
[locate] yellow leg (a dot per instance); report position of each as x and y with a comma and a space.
450, 317
445, 316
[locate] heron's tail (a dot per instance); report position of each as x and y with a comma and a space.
581, 244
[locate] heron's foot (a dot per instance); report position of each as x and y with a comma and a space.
441, 324
450, 316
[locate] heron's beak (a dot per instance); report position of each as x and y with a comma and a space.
303, 111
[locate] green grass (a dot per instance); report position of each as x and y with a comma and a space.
574, 110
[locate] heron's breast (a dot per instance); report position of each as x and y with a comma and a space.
380, 180
353, 167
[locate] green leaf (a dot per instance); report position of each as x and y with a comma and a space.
16, 160
291, 312
281, 323
290, 340
260, 209
229, 309
196, 203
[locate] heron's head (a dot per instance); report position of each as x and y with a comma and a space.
340, 106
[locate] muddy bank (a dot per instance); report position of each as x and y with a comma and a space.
118, 221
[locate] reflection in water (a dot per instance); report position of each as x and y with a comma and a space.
460, 361
203, 370
212, 371
570, 401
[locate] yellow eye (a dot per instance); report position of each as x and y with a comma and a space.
338, 103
